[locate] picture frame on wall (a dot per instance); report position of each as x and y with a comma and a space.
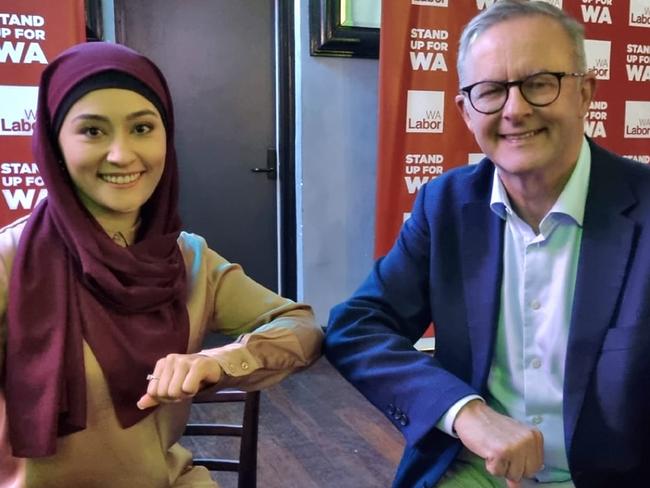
344, 28
94, 21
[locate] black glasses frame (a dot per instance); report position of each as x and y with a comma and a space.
467, 90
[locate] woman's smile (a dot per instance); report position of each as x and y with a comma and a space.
121, 179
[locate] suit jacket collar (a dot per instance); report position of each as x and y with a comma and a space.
482, 267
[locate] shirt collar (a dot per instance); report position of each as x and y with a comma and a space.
571, 201
124, 237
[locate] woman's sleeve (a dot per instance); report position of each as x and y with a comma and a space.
4, 286
276, 336
12, 470
9, 237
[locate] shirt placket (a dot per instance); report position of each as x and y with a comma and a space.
534, 270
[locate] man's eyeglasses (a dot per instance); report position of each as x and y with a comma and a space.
539, 90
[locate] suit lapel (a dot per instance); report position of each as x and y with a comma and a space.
482, 242
607, 240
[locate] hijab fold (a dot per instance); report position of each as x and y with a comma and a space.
71, 283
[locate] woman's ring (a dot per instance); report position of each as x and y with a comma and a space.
151, 377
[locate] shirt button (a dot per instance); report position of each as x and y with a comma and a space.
536, 363
244, 365
535, 304
537, 419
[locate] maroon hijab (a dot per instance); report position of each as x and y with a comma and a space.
70, 282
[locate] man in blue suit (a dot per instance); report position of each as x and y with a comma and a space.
534, 267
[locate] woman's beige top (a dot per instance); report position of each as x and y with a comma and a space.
279, 337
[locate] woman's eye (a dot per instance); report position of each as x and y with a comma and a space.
91, 131
142, 129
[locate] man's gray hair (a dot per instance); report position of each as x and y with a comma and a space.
503, 10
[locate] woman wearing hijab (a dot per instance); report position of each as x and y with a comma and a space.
106, 302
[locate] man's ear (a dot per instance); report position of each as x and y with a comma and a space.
462, 106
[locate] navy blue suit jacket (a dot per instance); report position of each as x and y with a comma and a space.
446, 267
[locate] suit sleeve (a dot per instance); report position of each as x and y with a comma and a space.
370, 337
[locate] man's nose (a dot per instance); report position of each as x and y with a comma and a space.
516, 105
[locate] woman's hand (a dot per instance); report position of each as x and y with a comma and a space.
179, 376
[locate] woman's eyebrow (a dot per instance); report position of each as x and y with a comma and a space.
103, 118
141, 113
96, 117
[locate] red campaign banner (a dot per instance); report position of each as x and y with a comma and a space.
617, 45
421, 134
32, 32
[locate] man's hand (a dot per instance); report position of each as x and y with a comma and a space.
179, 376
511, 449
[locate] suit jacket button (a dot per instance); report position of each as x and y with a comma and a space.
391, 409
403, 421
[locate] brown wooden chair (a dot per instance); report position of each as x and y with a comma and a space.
246, 465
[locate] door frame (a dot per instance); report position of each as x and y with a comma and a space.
285, 129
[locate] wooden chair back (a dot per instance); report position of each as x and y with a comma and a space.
246, 465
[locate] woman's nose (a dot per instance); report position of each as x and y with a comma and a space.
120, 151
